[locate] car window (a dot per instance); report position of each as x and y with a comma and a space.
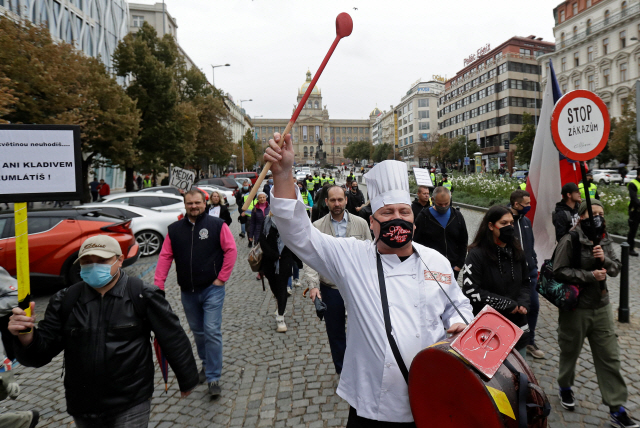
227, 182
116, 212
119, 200
146, 201
39, 224
128, 213
168, 201
3, 225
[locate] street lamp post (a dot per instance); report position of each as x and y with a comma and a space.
213, 69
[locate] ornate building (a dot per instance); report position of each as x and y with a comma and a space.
314, 127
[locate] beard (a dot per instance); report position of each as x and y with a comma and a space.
337, 210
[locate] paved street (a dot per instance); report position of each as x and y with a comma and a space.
271, 379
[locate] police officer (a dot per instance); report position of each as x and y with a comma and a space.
446, 183
309, 183
634, 215
593, 189
331, 180
324, 179
316, 181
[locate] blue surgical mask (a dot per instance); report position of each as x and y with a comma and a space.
245, 187
96, 275
271, 181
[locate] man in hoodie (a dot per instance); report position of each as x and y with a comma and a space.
565, 216
443, 228
422, 201
520, 205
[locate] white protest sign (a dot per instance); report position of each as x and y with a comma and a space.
40, 163
580, 125
423, 177
182, 178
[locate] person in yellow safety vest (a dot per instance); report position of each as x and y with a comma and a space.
147, 182
309, 183
446, 183
433, 178
634, 215
324, 179
307, 198
593, 189
316, 182
331, 180
245, 216
523, 185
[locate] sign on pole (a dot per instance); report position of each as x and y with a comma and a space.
580, 125
40, 162
467, 160
423, 177
182, 178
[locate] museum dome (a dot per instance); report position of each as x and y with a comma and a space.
375, 112
306, 84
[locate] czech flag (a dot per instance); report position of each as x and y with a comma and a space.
548, 172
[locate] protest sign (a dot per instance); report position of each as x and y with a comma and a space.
40, 163
423, 177
182, 178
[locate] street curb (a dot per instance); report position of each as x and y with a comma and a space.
616, 238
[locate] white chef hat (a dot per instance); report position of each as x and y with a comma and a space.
388, 183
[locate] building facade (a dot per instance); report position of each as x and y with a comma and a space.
314, 129
160, 19
485, 100
597, 49
417, 116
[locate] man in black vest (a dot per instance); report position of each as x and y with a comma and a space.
205, 252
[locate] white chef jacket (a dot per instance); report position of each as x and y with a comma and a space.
371, 381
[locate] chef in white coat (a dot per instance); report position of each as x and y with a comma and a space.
420, 314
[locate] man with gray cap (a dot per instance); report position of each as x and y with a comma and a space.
393, 289
103, 326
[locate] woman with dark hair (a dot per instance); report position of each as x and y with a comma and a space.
307, 198
496, 272
320, 208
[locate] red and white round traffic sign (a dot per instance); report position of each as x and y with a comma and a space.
580, 125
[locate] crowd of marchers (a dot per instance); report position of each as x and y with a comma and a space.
103, 324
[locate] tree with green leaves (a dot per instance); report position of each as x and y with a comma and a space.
524, 140
52, 83
6, 98
623, 142
382, 152
358, 150
160, 84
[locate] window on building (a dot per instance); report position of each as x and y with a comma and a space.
410, 128
605, 45
588, 3
304, 132
623, 104
423, 102
423, 126
575, 32
317, 134
404, 109
410, 117
574, 9
576, 59
305, 151
525, 51
315, 104
591, 83
590, 54
623, 8
588, 27
138, 20
606, 17
576, 84
623, 71
564, 88
562, 16
344, 130
424, 114
410, 107
606, 73
309, 105
623, 39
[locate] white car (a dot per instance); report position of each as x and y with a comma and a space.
164, 202
301, 176
148, 226
631, 175
226, 192
606, 176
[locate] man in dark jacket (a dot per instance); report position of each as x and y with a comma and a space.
520, 206
205, 252
443, 228
422, 201
565, 216
355, 199
104, 334
593, 318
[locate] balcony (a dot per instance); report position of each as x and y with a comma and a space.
605, 23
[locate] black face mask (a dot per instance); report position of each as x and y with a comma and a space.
395, 233
507, 234
598, 222
441, 210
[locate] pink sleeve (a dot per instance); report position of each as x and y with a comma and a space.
228, 245
164, 263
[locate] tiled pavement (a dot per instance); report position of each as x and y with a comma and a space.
271, 379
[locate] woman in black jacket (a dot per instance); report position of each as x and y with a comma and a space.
277, 266
496, 272
218, 209
320, 208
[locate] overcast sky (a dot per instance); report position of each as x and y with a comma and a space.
270, 44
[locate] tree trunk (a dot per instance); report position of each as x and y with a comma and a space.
128, 179
86, 191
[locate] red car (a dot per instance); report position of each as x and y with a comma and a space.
55, 237
253, 176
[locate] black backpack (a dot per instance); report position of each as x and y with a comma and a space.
561, 295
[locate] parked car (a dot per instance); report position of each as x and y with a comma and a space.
226, 192
55, 237
158, 201
163, 189
253, 176
520, 175
631, 175
227, 182
301, 176
148, 226
606, 176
